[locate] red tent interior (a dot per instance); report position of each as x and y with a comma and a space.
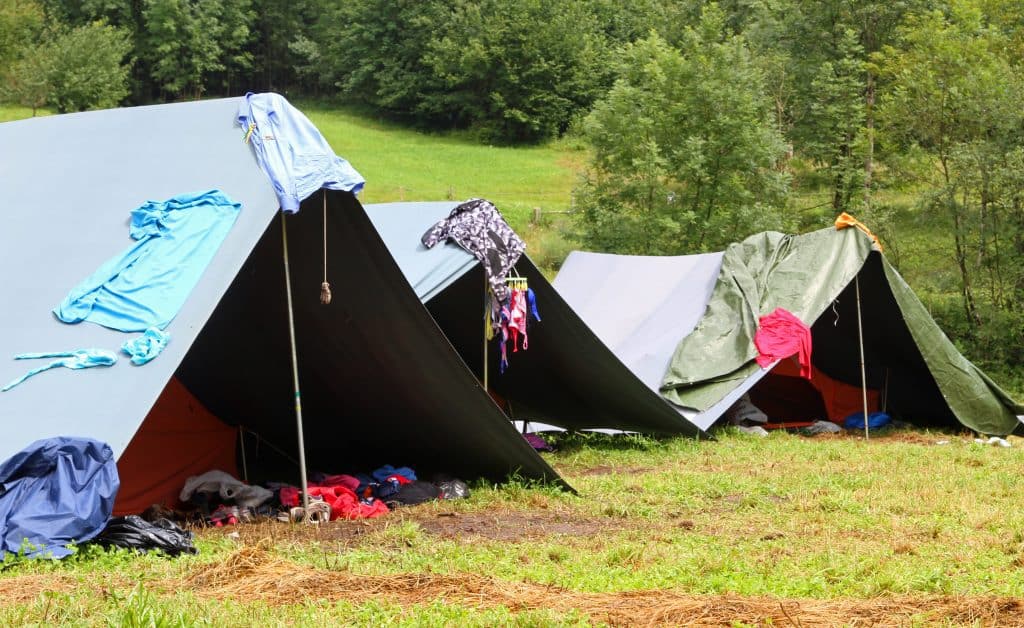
178, 438
785, 396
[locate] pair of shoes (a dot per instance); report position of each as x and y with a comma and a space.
224, 516
318, 512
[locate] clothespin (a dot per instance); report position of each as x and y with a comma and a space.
248, 134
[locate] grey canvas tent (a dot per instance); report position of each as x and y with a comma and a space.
567, 377
685, 326
380, 383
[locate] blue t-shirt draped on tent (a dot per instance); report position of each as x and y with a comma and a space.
55, 491
146, 285
293, 153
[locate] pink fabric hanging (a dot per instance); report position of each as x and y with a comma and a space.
780, 335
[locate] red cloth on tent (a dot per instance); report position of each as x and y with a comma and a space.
780, 335
179, 438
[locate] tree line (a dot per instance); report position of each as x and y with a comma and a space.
704, 120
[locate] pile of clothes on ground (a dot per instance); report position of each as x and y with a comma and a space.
750, 419
222, 499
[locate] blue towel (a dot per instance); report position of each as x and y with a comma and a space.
146, 285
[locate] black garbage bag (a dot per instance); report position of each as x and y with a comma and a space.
134, 532
453, 489
416, 492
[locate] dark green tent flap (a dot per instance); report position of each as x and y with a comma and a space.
927, 380
567, 377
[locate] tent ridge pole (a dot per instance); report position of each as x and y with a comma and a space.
295, 366
863, 375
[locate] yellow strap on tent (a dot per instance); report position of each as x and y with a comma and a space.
846, 220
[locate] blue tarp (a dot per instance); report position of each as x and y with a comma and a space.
54, 492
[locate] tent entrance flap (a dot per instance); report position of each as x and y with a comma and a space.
380, 383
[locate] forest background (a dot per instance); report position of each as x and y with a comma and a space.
690, 124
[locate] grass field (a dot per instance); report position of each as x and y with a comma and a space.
902, 529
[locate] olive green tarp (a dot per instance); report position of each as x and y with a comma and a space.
816, 277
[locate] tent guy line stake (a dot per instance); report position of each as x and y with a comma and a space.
863, 376
295, 365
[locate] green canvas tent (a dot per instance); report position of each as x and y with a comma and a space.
909, 361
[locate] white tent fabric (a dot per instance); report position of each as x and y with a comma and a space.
641, 307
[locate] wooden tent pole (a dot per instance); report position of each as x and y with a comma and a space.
295, 367
863, 375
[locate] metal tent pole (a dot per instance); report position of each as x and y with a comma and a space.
487, 322
863, 375
295, 367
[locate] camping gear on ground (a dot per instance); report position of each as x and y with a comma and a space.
54, 492
144, 348
75, 360
684, 325
744, 412
822, 427
537, 442
453, 489
875, 420
292, 151
215, 484
415, 493
134, 532
147, 284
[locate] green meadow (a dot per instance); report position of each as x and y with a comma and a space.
908, 528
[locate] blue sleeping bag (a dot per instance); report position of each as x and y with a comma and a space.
56, 491
875, 420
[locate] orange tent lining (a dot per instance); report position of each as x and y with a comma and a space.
178, 438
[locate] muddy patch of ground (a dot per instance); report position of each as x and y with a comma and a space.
605, 469
498, 525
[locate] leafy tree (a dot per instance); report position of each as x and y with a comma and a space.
685, 149
87, 68
520, 69
28, 81
516, 70
186, 42
955, 102
817, 54
378, 57
21, 23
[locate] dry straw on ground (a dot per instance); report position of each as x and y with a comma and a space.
255, 573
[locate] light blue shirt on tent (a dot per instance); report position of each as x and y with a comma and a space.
292, 151
147, 284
